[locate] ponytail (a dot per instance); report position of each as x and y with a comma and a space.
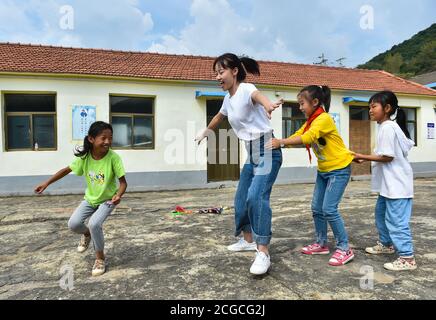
82, 151
250, 66
396, 114
244, 65
327, 97
401, 120
95, 129
322, 93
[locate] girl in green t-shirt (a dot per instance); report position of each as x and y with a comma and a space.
101, 167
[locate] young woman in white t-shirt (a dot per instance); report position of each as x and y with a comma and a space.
392, 177
248, 112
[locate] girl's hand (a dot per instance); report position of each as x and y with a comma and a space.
269, 109
358, 160
40, 188
201, 136
273, 144
357, 157
116, 199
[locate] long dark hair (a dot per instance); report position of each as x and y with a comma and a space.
96, 128
244, 65
389, 98
322, 93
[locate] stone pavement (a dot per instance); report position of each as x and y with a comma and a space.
152, 255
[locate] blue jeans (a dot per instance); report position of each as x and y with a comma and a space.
392, 217
253, 213
329, 188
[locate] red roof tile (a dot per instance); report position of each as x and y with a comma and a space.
59, 60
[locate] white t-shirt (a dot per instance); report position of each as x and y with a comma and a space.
393, 180
248, 120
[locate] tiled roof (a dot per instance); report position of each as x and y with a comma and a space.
23, 58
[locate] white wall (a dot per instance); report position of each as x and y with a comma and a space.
175, 108
175, 105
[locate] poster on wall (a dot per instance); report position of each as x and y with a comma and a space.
83, 117
430, 130
337, 120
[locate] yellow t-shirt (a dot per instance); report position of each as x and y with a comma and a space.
330, 151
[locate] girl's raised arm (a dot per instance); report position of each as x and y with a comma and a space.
258, 97
58, 175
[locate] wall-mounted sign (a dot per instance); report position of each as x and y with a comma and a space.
83, 117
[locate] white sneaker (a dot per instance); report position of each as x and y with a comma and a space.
243, 245
401, 264
379, 248
99, 268
261, 264
84, 243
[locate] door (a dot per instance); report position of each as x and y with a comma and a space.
223, 154
360, 138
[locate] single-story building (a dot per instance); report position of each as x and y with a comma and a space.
426, 79
157, 103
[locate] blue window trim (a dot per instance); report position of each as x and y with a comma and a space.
348, 100
209, 94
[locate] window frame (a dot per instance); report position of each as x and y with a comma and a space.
415, 122
132, 116
291, 119
30, 115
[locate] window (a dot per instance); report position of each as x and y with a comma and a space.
292, 119
30, 121
133, 122
411, 123
359, 113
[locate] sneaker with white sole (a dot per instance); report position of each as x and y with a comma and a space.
84, 243
243, 245
99, 267
379, 248
261, 264
315, 249
341, 257
401, 264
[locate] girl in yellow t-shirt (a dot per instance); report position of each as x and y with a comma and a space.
334, 170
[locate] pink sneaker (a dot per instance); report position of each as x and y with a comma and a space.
315, 249
341, 257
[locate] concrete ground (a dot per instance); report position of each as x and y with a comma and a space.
153, 255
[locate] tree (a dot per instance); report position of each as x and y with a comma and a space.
425, 60
393, 63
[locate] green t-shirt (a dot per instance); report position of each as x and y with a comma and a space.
100, 176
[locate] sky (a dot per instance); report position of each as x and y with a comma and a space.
275, 30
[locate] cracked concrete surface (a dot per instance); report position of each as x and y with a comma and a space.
152, 255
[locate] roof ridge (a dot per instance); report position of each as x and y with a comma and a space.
180, 55
408, 81
315, 66
109, 62
104, 50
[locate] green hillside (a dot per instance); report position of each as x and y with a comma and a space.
409, 58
